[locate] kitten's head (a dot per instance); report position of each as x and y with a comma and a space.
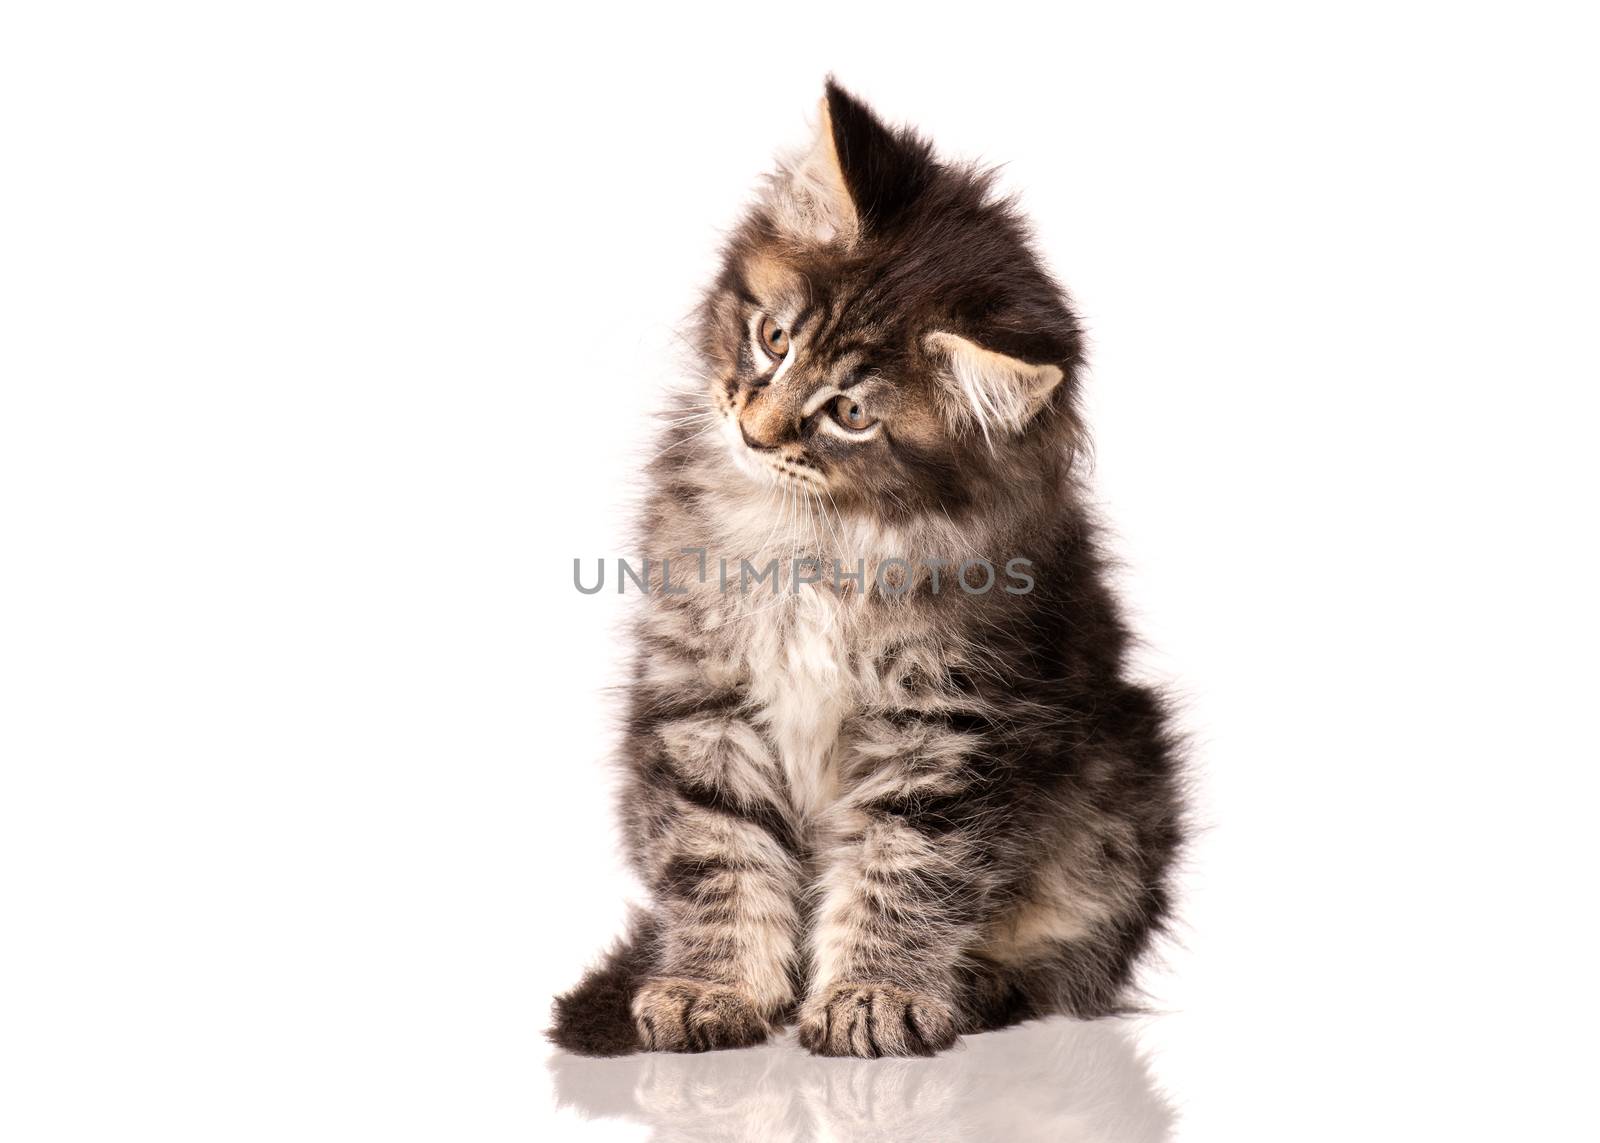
881, 331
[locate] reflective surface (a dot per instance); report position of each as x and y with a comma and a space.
1057, 1080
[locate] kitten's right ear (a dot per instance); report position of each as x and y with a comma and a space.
883, 170
811, 201
856, 175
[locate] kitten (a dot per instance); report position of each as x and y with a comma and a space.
885, 775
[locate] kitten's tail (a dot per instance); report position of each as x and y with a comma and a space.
596, 1017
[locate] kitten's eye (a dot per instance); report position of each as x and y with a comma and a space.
774, 338
851, 414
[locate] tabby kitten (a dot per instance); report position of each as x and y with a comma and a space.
891, 794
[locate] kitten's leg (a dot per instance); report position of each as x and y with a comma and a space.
722, 862
1086, 978
902, 895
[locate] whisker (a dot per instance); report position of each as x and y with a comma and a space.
679, 444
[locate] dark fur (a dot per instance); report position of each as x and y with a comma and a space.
594, 1018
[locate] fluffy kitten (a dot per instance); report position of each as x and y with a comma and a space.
869, 795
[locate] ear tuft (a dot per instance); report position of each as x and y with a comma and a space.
809, 200
992, 390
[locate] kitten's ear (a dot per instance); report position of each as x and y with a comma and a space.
856, 175
884, 170
811, 201
991, 390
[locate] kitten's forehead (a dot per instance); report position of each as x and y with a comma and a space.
772, 280
835, 305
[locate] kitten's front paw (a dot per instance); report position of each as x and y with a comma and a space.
870, 1020
693, 1016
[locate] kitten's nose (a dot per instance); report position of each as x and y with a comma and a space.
768, 420
751, 442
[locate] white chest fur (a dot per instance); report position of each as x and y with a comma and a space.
798, 655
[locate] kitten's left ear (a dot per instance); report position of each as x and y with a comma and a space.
992, 390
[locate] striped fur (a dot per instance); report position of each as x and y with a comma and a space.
894, 809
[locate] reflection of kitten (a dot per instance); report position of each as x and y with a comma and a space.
893, 808
1059, 1081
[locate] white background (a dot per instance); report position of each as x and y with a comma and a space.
328, 333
